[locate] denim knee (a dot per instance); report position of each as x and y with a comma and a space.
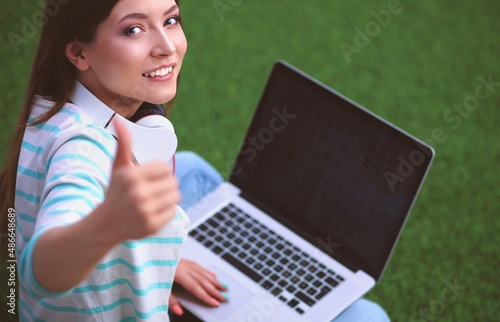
196, 177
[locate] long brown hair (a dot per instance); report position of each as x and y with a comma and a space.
52, 76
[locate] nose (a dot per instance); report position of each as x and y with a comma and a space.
163, 44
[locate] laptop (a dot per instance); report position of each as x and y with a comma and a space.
312, 210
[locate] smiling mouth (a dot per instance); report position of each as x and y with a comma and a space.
158, 73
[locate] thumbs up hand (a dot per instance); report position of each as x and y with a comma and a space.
140, 200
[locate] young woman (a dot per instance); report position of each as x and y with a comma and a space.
99, 237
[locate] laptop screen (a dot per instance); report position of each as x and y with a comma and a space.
331, 171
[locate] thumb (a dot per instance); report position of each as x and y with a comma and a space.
123, 157
174, 305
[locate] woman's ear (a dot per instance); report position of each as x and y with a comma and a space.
74, 52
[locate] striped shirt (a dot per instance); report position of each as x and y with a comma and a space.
63, 173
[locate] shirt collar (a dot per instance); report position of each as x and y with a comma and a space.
97, 110
153, 137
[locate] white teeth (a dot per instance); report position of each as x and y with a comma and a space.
159, 72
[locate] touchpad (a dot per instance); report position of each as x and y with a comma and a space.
239, 296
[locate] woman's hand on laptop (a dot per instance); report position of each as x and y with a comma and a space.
200, 282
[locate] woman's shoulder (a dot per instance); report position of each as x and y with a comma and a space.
69, 120
69, 126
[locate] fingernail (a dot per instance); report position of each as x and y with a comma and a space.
215, 302
177, 309
213, 273
225, 295
225, 285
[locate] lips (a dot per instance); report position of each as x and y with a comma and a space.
159, 72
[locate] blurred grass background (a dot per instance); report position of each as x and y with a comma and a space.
413, 71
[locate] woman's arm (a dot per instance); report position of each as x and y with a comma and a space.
140, 201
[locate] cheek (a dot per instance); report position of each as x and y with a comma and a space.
181, 44
119, 59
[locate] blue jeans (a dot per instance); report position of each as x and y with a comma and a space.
197, 178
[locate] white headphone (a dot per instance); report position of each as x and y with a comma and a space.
153, 136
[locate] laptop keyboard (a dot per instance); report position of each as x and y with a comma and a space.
287, 272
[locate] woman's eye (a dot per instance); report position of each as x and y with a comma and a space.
173, 20
133, 31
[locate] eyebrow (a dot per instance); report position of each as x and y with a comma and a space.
144, 16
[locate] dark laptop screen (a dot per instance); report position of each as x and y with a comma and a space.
339, 176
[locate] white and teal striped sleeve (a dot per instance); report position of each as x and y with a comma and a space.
77, 169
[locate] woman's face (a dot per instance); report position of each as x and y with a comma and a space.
136, 55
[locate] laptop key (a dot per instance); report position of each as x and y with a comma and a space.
293, 303
217, 250
299, 310
332, 282
304, 298
267, 285
212, 223
242, 267
276, 291
311, 291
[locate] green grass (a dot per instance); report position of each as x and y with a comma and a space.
426, 60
